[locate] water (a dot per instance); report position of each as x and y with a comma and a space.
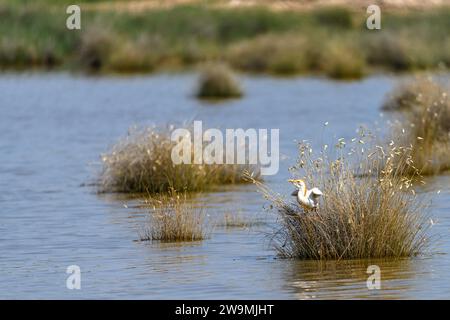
53, 128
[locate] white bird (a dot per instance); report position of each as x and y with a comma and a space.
308, 199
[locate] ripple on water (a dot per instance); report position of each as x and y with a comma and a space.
50, 141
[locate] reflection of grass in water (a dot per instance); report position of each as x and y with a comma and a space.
369, 209
236, 220
347, 278
173, 218
425, 107
142, 162
185, 35
357, 268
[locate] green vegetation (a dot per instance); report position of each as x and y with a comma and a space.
425, 121
333, 41
369, 209
279, 54
173, 218
142, 162
217, 82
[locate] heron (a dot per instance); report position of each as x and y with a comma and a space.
308, 199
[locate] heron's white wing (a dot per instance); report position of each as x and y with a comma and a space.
316, 192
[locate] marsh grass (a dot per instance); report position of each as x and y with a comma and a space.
334, 17
273, 53
342, 61
142, 162
413, 94
174, 218
218, 82
94, 48
132, 58
251, 39
388, 50
424, 122
289, 54
369, 209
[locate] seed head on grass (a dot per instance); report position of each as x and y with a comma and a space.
412, 94
369, 209
174, 218
142, 162
424, 123
217, 82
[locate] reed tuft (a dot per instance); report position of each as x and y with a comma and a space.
369, 208
174, 218
218, 82
142, 162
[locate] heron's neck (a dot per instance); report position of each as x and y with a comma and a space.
302, 190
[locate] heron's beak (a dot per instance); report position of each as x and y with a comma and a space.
291, 180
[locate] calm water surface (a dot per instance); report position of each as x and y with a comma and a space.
53, 128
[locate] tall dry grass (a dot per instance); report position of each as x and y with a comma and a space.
174, 218
142, 162
369, 208
412, 94
424, 122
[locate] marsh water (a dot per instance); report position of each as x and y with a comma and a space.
53, 127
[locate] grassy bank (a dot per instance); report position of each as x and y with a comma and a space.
331, 41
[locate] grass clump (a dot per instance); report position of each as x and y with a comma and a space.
277, 54
412, 94
94, 49
388, 50
343, 62
142, 162
424, 123
132, 58
369, 209
173, 218
217, 82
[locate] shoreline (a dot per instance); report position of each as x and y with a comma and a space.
332, 42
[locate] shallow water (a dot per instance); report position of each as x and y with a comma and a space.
53, 128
